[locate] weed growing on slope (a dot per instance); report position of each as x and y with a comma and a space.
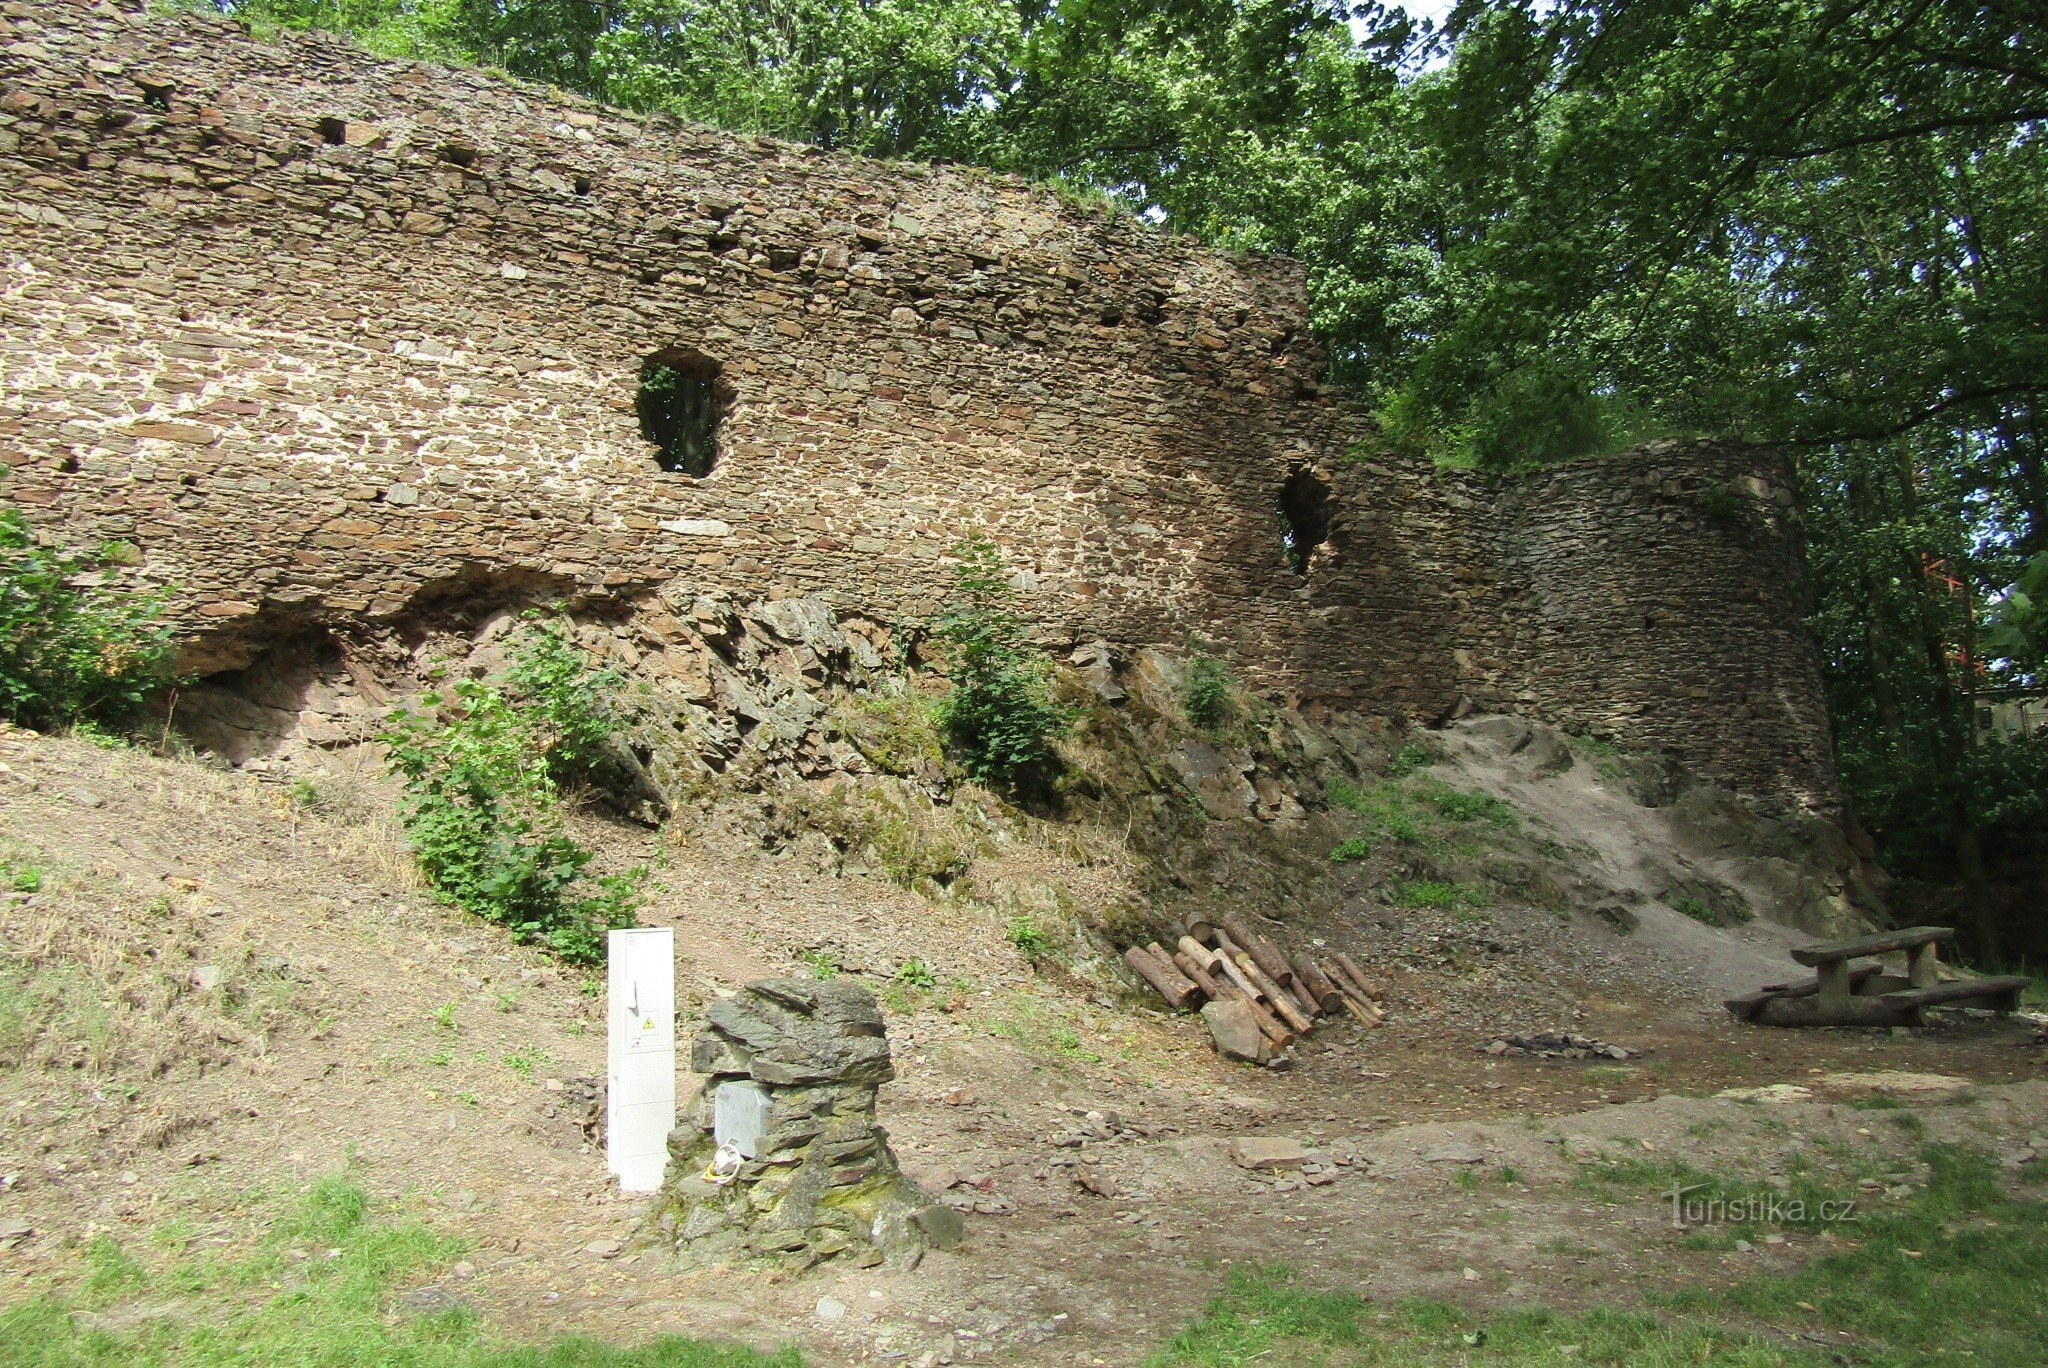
483, 781
75, 648
1207, 701
1000, 712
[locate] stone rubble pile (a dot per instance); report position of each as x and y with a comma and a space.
806, 1173
1557, 1045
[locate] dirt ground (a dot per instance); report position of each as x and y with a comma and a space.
254, 995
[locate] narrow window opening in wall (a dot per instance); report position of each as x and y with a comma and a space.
157, 95
1304, 506
583, 185
683, 396
455, 154
334, 132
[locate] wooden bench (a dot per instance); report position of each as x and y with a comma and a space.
1845, 994
2003, 993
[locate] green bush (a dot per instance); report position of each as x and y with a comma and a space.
1357, 848
483, 792
1470, 805
73, 648
1029, 938
1409, 759
1208, 701
1000, 712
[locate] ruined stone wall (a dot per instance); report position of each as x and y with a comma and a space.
333, 338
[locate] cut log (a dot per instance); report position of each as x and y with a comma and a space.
1278, 998
1833, 952
1326, 994
1362, 1006
1359, 976
1263, 952
1178, 990
1229, 968
1201, 929
1198, 974
1198, 952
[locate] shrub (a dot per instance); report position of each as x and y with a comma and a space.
1000, 712
73, 648
1470, 805
483, 792
1208, 701
1029, 938
1356, 848
1409, 759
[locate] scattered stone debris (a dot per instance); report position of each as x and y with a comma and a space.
1267, 1152
1557, 1045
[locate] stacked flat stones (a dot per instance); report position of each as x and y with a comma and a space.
822, 1182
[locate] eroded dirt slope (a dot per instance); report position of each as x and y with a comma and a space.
210, 990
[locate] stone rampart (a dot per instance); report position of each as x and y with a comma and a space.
331, 339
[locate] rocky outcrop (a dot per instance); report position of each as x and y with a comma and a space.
779, 1157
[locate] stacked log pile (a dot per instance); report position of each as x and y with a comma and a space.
1257, 997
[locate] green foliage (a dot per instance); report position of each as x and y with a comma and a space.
1470, 805
915, 973
1029, 938
2017, 630
822, 963
75, 647
1208, 702
1409, 759
483, 780
1000, 711
275, 1305
1438, 895
897, 732
1352, 848
1715, 912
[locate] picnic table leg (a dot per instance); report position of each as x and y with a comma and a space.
1923, 969
1834, 981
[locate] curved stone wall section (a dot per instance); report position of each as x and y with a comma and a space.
330, 337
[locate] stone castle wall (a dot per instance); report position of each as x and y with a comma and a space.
330, 338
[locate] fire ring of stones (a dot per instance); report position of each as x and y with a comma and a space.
791, 1070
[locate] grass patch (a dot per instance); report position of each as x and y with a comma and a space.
1950, 1274
1437, 895
1041, 1028
1470, 805
323, 1286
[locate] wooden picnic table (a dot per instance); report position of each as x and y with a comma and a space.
1843, 993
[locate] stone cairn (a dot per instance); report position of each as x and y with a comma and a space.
779, 1158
